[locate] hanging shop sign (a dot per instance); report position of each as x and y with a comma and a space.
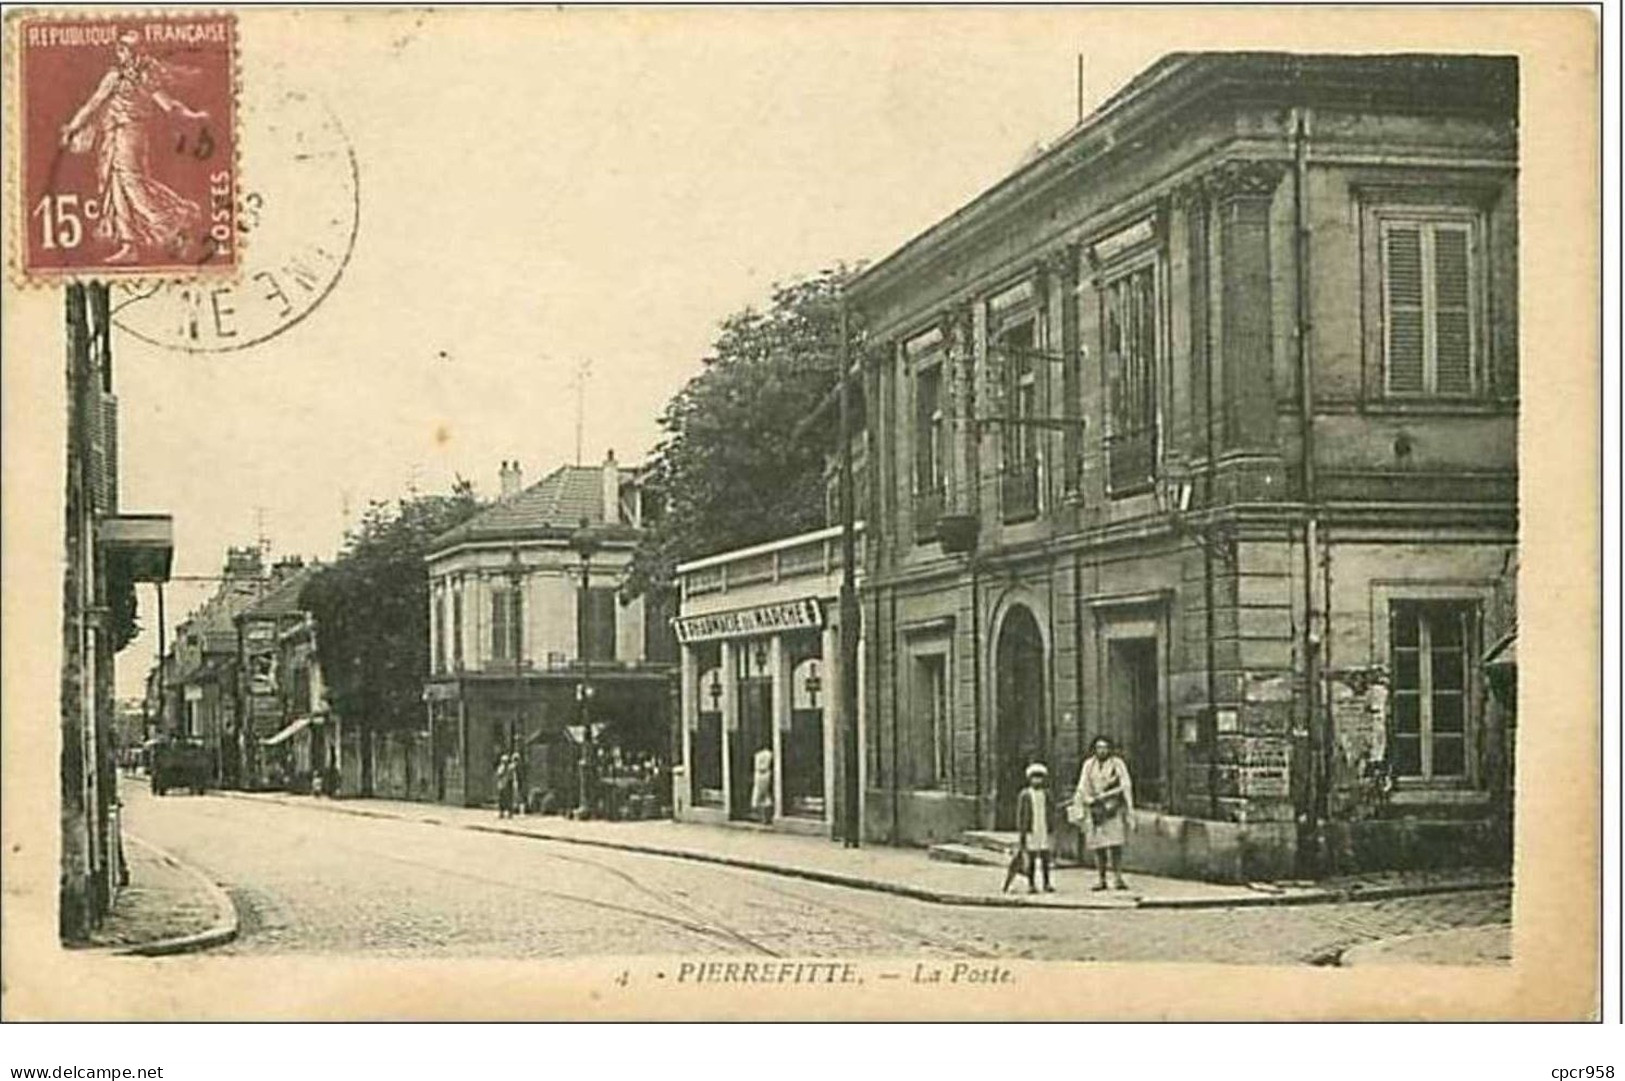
803, 614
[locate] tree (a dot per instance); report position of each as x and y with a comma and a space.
371, 607
734, 468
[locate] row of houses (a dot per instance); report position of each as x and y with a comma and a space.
531, 653
1198, 431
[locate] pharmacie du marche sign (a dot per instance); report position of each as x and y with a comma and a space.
765, 619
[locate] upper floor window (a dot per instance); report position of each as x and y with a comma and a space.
928, 429
457, 627
1430, 303
439, 633
507, 624
1129, 331
595, 623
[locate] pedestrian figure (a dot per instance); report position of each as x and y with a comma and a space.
761, 792
1105, 795
505, 779
1035, 827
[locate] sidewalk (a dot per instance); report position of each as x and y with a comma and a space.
1491, 945
903, 871
167, 908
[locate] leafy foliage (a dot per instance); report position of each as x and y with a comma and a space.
733, 467
371, 607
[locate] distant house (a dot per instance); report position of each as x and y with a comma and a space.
276, 724
206, 665
522, 649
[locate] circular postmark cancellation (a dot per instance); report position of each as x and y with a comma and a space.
128, 133
298, 216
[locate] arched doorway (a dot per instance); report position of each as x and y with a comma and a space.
1019, 720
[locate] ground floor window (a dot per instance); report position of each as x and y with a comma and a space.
803, 743
1433, 646
930, 741
1131, 691
705, 742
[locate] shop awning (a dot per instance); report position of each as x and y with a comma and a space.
289, 732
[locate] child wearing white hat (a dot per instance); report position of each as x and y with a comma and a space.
1035, 829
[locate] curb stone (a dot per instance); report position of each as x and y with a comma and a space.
943, 897
1373, 952
225, 924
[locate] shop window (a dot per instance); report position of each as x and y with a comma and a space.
1130, 350
1433, 646
1430, 304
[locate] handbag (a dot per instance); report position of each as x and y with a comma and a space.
1074, 811
1102, 809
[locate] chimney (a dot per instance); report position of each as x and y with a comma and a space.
510, 475
612, 490
244, 562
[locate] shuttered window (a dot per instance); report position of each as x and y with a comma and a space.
1429, 301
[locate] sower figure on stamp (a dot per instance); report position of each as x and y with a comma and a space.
138, 211
1105, 795
1035, 831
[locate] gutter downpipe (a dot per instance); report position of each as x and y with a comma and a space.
1208, 352
1312, 814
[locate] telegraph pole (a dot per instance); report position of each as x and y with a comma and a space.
853, 826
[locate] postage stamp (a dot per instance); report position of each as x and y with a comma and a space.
129, 146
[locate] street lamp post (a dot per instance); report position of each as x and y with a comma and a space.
516, 579
851, 811
585, 543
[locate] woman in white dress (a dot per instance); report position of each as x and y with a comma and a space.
1106, 794
761, 792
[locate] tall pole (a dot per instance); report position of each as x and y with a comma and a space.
589, 745
852, 826
163, 651
1312, 814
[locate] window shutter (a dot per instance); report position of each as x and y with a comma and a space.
1402, 273
1453, 364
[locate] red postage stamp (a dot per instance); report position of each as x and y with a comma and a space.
129, 155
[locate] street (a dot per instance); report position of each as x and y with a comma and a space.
309, 881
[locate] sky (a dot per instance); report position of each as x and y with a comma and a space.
546, 188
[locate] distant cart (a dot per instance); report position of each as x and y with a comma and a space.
178, 763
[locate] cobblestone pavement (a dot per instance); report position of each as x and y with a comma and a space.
306, 881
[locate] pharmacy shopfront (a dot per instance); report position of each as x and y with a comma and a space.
759, 643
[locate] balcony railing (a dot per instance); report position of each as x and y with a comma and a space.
927, 509
1018, 492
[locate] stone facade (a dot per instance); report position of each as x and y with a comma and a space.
1227, 381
